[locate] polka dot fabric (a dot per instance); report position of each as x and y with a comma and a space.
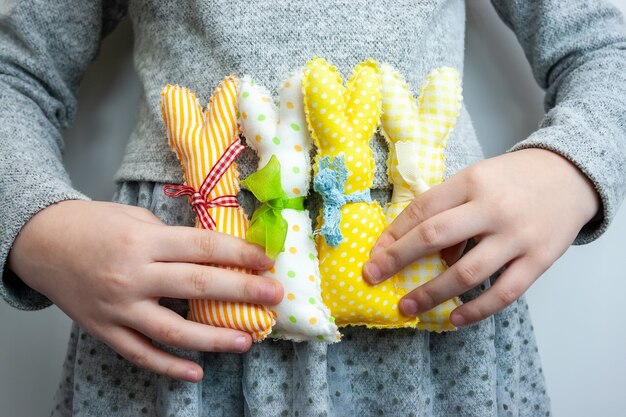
199, 138
342, 121
490, 368
282, 132
417, 134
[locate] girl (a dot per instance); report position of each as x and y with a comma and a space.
119, 271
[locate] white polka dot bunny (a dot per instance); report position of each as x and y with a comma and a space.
282, 142
417, 135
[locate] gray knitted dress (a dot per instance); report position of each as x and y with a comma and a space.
577, 50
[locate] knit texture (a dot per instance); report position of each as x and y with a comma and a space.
489, 369
577, 50
43, 54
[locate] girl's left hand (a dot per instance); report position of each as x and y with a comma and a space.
523, 208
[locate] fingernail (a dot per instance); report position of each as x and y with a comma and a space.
268, 292
408, 307
371, 272
457, 319
241, 343
191, 375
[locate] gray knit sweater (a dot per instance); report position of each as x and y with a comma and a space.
577, 50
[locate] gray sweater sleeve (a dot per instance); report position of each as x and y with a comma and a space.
577, 51
44, 49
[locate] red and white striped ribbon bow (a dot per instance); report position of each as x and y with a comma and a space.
200, 202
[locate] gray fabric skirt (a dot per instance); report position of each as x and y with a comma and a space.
491, 368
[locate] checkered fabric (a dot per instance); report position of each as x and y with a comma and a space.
417, 134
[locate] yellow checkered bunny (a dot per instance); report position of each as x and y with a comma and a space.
417, 135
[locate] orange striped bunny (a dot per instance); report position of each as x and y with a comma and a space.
206, 143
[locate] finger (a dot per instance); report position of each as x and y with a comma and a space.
453, 253
167, 327
471, 270
444, 196
190, 244
509, 286
137, 213
186, 280
137, 349
144, 215
438, 232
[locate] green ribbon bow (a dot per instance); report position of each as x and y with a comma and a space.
268, 228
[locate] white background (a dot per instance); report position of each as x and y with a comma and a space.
575, 305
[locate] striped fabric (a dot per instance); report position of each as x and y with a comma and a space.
201, 200
199, 139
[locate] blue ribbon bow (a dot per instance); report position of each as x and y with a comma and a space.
330, 183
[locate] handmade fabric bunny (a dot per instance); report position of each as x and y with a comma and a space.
342, 121
417, 134
280, 138
207, 144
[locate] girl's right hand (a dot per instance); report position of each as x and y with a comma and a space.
106, 266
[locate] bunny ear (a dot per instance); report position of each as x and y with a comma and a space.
292, 125
221, 113
258, 116
432, 118
323, 99
336, 113
440, 101
221, 131
182, 114
363, 101
184, 122
400, 114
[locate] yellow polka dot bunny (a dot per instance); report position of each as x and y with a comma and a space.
417, 135
342, 121
281, 139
